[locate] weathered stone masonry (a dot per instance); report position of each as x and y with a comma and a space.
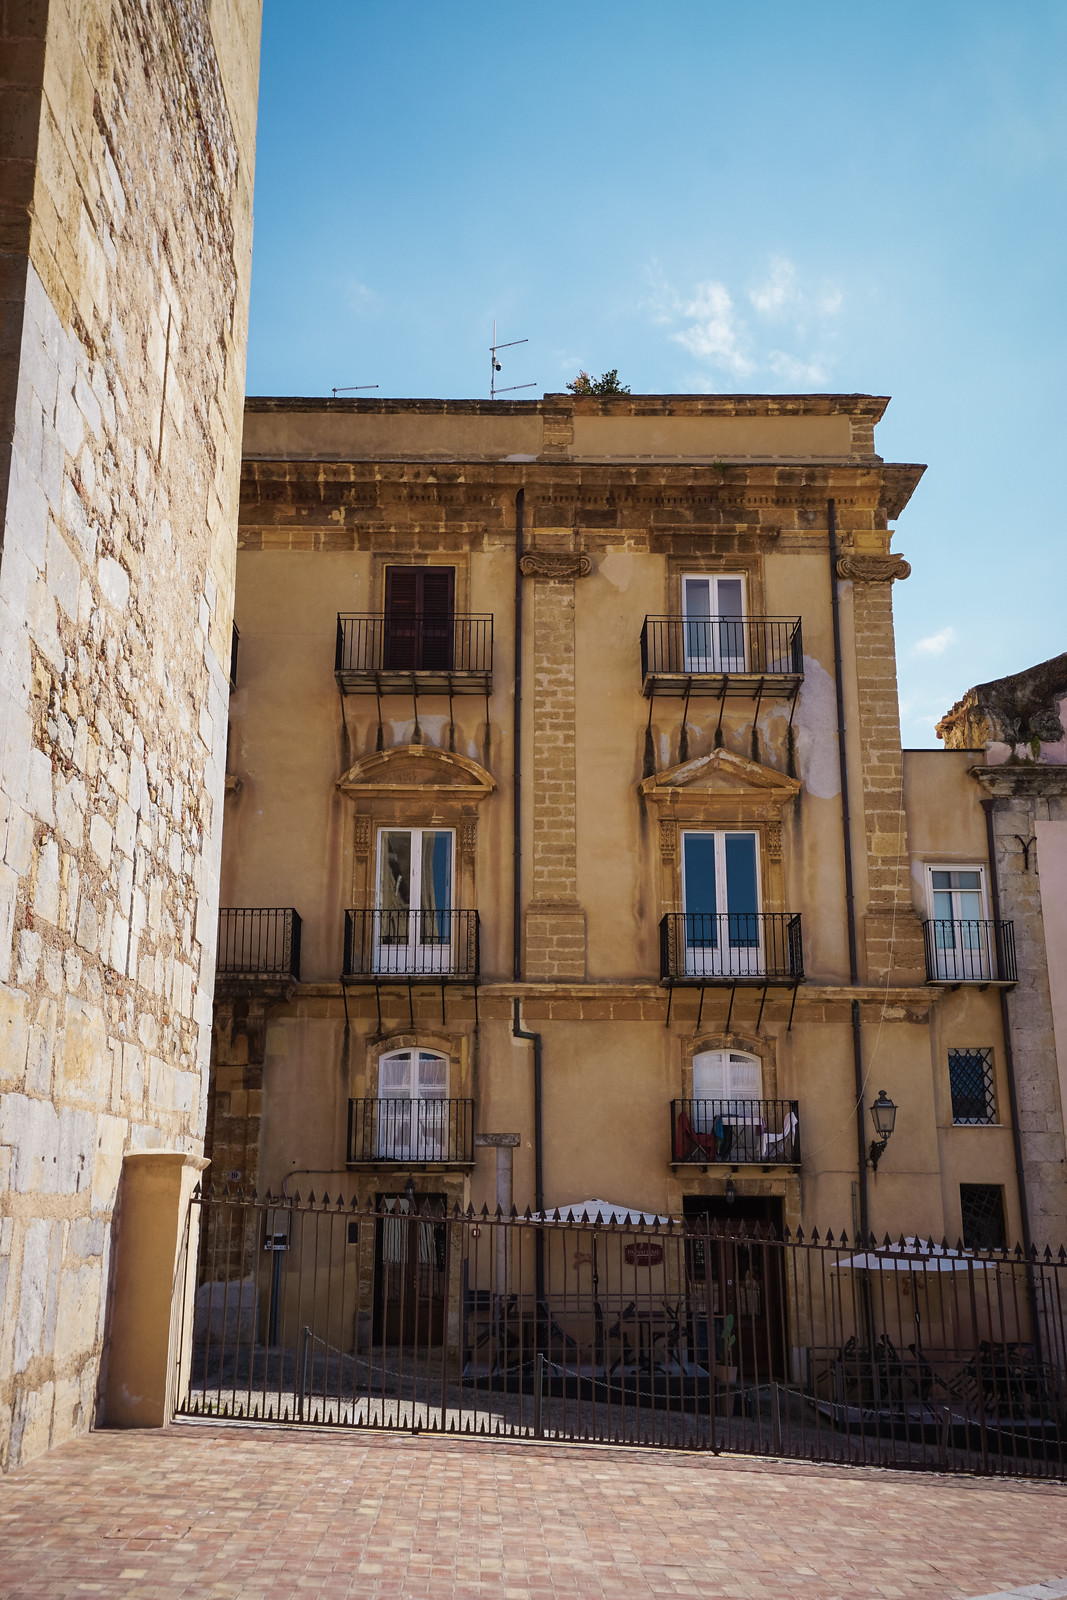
125, 231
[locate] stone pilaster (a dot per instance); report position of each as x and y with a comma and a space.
1022, 797
555, 921
892, 935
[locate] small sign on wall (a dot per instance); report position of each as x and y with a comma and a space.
644, 1253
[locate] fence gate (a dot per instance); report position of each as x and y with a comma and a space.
679, 1333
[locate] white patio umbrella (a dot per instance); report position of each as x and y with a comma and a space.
915, 1255
604, 1211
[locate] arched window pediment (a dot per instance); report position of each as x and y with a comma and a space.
416, 768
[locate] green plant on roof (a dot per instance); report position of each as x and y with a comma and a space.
608, 383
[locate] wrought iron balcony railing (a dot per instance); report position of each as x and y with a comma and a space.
438, 945
449, 654
428, 1132
735, 1132
721, 655
970, 951
731, 947
258, 942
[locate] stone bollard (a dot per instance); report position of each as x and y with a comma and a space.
153, 1290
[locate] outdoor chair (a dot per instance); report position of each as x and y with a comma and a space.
691, 1143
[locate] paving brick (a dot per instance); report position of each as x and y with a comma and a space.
261, 1514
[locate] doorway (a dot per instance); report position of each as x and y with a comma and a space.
739, 1277
410, 1270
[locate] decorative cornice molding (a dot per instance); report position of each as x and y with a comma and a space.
873, 569
1011, 779
542, 564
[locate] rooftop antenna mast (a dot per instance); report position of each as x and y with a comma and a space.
353, 388
494, 367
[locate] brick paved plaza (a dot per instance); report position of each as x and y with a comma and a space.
264, 1514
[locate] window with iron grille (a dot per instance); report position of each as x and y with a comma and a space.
970, 1075
982, 1206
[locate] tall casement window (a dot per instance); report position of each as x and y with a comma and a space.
414, 900
412, 1106
982, 1209
713, 609
970, 1074
721, 902
962, 935
419, 615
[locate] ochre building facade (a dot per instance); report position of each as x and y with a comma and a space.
540, 882
125, 242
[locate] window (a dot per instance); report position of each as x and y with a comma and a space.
419, 617
982, 1206
727, 1090
970, 1074
961, 934
720, 898
412, 1106
414, 904
713, 609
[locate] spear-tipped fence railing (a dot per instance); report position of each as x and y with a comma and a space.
672, 1331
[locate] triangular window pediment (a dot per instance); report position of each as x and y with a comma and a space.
720, 774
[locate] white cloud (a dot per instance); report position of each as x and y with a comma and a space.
360, 297
778, 290
935, 644
714, 333
708, 322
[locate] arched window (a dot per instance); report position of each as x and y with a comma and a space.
727, 1096
413, 1107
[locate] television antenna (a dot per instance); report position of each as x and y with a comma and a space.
353, 388
494, 367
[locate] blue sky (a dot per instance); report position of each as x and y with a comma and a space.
711, 197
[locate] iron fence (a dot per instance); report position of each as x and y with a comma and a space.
440, 945
258, 942
425, 1132
676, 1332
370, 648
730, 946
970, 951
710, 647
735, 1132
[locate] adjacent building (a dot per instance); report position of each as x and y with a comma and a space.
570, 848
125, 243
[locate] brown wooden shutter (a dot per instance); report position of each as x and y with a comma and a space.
419, 618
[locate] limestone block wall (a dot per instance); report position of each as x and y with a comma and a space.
125, 237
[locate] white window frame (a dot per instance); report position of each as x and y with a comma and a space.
417, 956
723, 960
961, 953
703, 648
415, 1127
740, 1111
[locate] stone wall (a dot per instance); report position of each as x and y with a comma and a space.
126, 235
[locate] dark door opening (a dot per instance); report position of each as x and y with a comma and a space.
419, 617
738, 1277
410, 1270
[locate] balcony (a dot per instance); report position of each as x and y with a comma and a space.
409, 946
436, 1133
722, 656
425, 655
259, 943
970, 951
731, 947
735, 1133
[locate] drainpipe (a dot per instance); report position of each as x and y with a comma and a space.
850, 893
517, 1030
1009, 1058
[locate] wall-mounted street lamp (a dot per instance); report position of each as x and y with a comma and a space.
884, 1115
731, 1192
